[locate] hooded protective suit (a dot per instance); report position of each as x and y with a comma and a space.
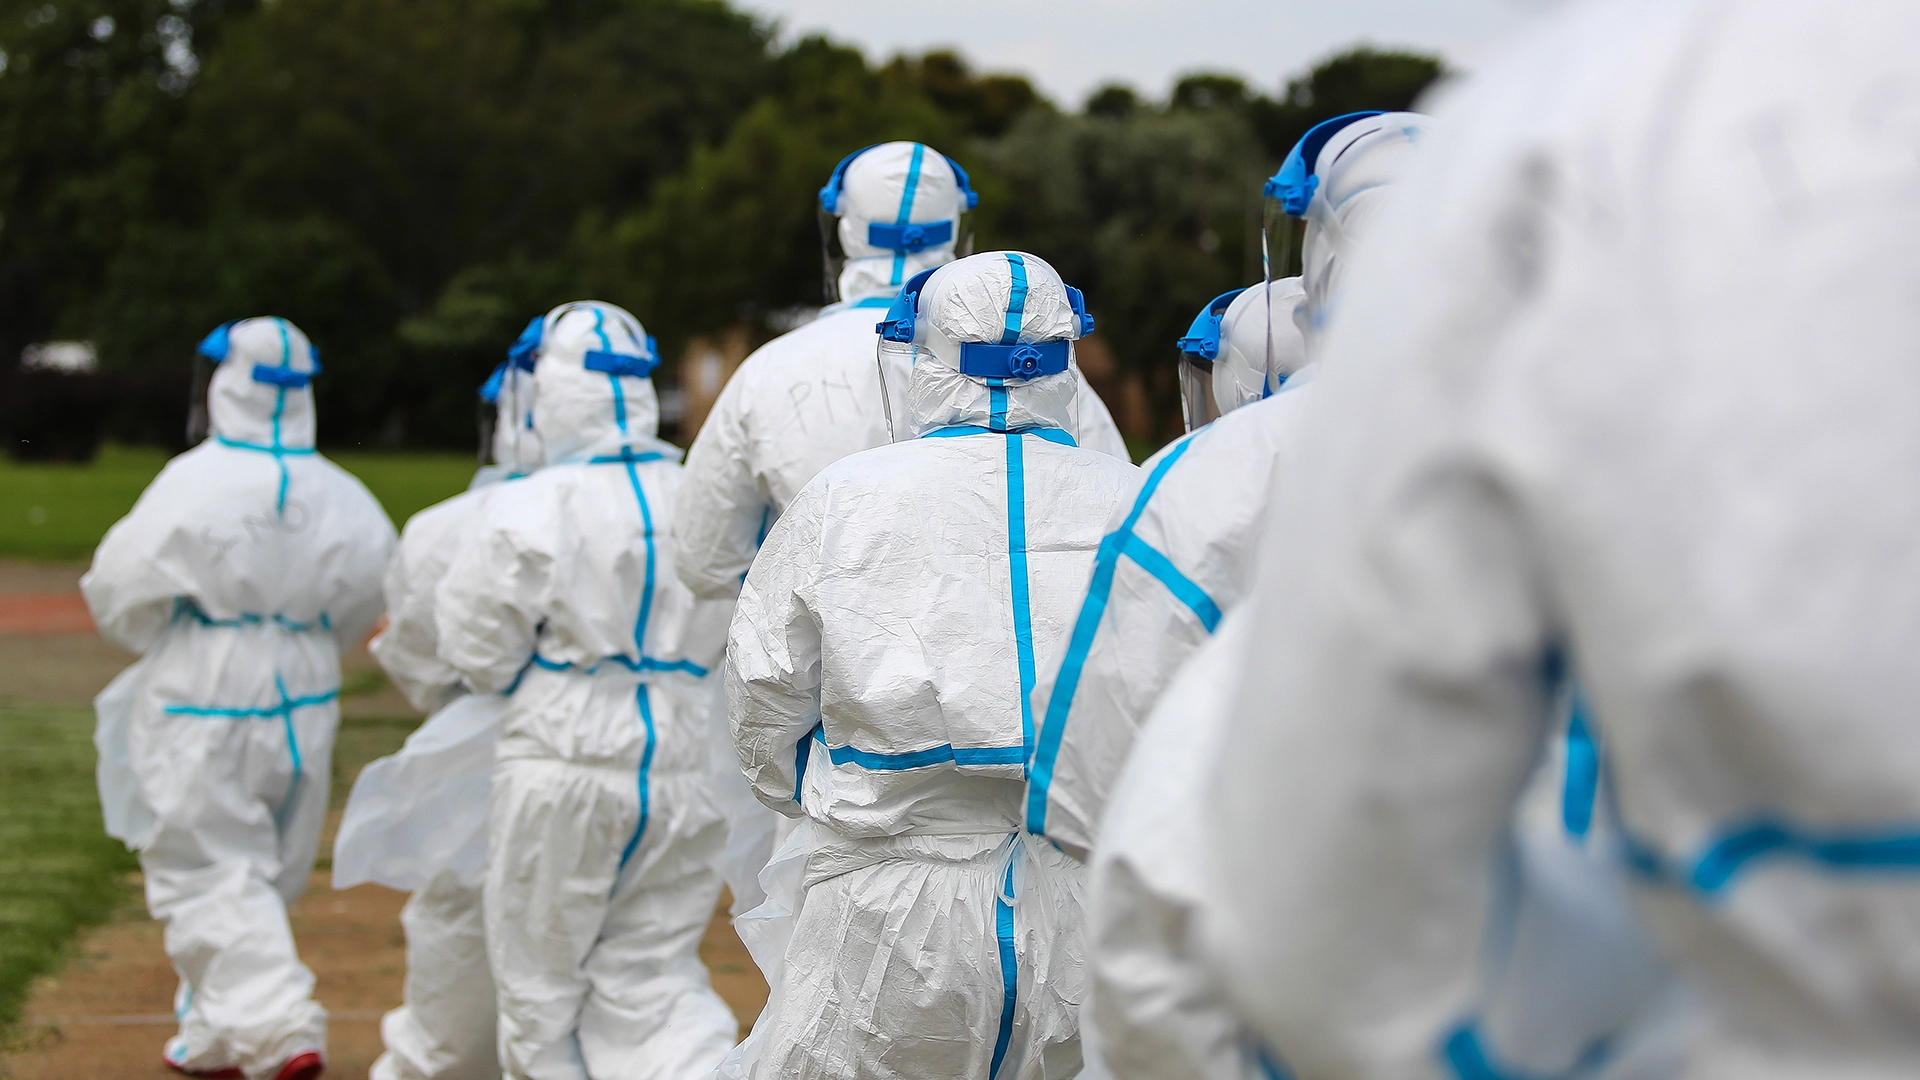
416, 820
602, 834
240, 574
1177, 554
878, 670
810, 398
1575, 415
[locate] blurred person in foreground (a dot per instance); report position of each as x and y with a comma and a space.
879, 669
416, 820
243, 570
1630, 397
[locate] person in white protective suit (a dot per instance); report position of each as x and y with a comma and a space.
416, 820
813, 396
239, 575
1579, 421
602, 835
879, 668
1176, 557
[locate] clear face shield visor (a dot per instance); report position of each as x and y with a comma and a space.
1197, 405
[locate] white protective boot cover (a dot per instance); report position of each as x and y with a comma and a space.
603, 836
877, 673
803, 401
240, 574
1624, 375
1177, 555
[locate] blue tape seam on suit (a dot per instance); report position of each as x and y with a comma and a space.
1092, 610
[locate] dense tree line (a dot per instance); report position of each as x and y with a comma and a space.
410, 181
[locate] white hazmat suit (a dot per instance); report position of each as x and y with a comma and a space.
1575, 413
416, 820
879, 666
240, 574
1178, 554
602, 836
811, 397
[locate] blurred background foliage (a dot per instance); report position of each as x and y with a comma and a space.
411, 181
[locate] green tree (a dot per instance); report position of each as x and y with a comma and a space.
1351, 81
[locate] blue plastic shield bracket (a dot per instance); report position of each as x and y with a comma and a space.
287, 377
1023, 361
910, 239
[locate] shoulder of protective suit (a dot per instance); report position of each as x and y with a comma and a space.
433, 525
843, 337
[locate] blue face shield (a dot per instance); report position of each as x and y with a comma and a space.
1199, 349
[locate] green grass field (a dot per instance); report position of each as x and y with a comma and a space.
58, 870
50, 511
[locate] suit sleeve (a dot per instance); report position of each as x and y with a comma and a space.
773, 657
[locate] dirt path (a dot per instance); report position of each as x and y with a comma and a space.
105, 1014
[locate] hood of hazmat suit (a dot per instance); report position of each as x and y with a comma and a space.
879, 667
809, 398
1576, 416
601, 835
1177, 554
416, 820
240, 573
1343, 189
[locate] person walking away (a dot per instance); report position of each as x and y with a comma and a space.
879, 667
239, 575
603, 839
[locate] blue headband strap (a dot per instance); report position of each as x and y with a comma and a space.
1203, 337
611, 363
1296, 181
909, 239
287, 377
1028, 360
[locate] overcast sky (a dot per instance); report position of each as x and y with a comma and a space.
1069, 47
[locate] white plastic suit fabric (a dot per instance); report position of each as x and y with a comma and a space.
602, 836
416, 820
1573, 974
879, 666
805, 400
240, 574
1178, 553
1572, 407
1260, 344
896, 183
1356, 168
1155, 1008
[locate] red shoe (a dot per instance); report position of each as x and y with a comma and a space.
307, 1066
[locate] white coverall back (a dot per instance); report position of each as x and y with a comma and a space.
1634, 387
602, 836
240, 574
879, 661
